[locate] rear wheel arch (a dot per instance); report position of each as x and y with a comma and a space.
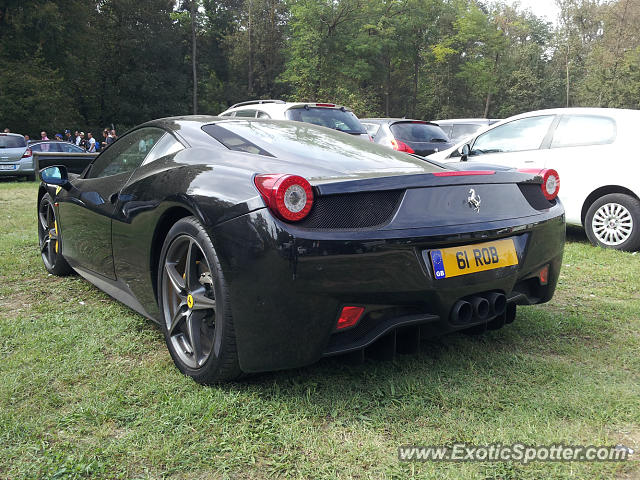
166, 221
600, 192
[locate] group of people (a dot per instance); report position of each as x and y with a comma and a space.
88, 143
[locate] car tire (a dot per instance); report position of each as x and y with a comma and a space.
195, 305
48, 239
613, 221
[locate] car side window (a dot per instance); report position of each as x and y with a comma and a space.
68, 148
262, 114
167, 145
372, 128
580, 130
126, 154
246, 113
516, 136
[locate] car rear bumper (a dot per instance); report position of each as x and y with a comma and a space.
287, 288
23, 166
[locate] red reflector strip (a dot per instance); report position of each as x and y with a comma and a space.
325, 105
533, 171
349, 317
462, 173
543, 275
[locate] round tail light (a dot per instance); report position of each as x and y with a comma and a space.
550, 183
289, 197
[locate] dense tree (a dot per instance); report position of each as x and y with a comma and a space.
91, 63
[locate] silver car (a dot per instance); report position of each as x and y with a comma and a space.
336, 117
15, 158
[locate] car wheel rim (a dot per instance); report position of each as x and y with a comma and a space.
189, 303
48, 233
612, 224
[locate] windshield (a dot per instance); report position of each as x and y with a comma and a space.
418, 132
335, 118
12, 141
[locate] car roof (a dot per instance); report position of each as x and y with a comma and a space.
615, 112
11, 134
394, 120
477, 121
279, 106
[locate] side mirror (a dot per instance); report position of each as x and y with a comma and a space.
56, 175
464, 152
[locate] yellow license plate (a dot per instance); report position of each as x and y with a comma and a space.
454, 261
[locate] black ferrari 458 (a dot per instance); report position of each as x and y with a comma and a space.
261, 244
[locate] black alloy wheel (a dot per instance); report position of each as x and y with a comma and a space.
49, 240
196, 319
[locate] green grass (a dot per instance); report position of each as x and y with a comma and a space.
88, 390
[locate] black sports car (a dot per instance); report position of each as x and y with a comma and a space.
265, 244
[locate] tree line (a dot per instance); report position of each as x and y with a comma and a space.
90, 64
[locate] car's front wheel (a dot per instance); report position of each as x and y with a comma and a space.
195, 308
49, 239
613, 221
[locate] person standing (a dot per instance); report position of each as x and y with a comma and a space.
77, 138
27, 138
91, 143
83, 143
105, 135
67, 136
111, 137
44, 138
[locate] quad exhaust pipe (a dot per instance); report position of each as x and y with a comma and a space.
478, 308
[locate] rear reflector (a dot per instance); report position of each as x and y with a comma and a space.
349, 317
330, 105
462, 173
543, 275
27, 153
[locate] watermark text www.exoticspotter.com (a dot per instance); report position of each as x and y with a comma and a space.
517, 452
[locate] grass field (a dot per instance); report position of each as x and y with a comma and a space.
88, 390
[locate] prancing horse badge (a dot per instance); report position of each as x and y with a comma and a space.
474, 200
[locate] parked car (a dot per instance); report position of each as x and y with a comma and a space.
74, 163
329, 115
15, 157
458, 129
261, 245
405, 135
591, 150
54, 146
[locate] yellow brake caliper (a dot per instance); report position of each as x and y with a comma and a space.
55, 227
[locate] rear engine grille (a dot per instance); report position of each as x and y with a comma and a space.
353, 210
533, 194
